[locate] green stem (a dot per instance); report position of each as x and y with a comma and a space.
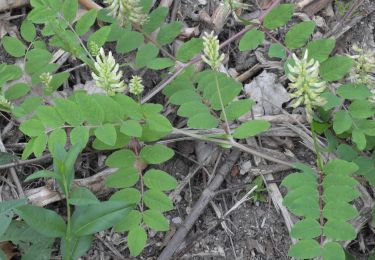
319, 160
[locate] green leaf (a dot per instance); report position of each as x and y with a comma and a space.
184, 96
159, 123
8, 205
276, 50
157, 153
238, 108
137, 238
340, 193
145, 53
333, 251
320, 49
32, 127
13, 46
49, 116
44, 221
354, 92
28, 31
100, 36
123, 178
295, 180
336, 67
155, 220
5, 220
251, 128
79, 245
169, 32
70, 8
69, 111
81, 135
157, 17
42, 174
91, 219
129, 195
189, 49
28, 150
359, 139
361, 109
340, 167
340, 211
85, 22
160, 63
56, 140
278, 16
304, 249
159, 180
131, 128
57, 80
130, 41
121, 141
81, 196
131, 220
299, 34
37, 59
16, 91
40, 144
113, 112
339, 230
157, 200
91, 110
251, 40
121, 159
306, 229
192, 108
107, 134
342, 122
203, 121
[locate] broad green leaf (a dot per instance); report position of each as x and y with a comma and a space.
299, 34
184, 96
159, 180
320, 49
203, 120
346, 152
155, 220
342, 122
49, 116
157, 17
137, 238
44, 221
169, 32
57, 80
159, 123
160, 63
251, 40
107, 134
340, 193
121, 141
92, 112
336, 67
340, 211
278, 16
305, 249
130, 41
151, 109
78, 244
28, 150
32, 127
56, 139
28, 31
85, 22
70, 8
306, 229
237, 108
9, 72
157, 153
16, 91
361, 109
123, 178
121, 159
69, 111
359, 139
295, 180
37, 59
189, 49
339, 230
113, 112
13, 46
129, 195
276, 50
131, 128
353, 91
5, 220
27, 107
131, 220
40, 144
305, 207
7, 205
251, 128
81, 196
157, 200
340, 167
100, 36
146, 53
42, 174
333, 251
192, 108
81, 135
91, 219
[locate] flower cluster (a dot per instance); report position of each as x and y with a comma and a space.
94, 48
4, 104
135, 86
211, 51
107, 75
124, 10
307, 86
364, 67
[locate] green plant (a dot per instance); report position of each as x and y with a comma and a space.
130, 128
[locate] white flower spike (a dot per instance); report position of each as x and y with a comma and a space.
135, 86
363, 70
211, 51
107, 75
124, 10
306, 84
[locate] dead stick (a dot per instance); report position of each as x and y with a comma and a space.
199, 206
